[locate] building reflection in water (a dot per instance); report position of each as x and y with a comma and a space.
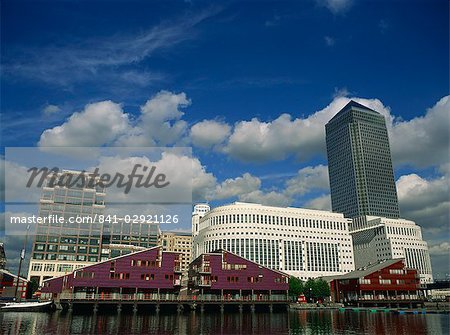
215, 323
363, 322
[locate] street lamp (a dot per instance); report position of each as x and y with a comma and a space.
22, 256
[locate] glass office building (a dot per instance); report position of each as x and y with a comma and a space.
359, 163
84, 237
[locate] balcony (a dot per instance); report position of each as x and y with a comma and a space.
204, 282
205, 269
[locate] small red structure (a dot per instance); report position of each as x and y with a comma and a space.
301, 299
225, 276
143, 275
8, 283
385, 283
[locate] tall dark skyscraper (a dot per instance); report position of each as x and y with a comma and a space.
359, 163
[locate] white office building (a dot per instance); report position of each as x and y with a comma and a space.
301, 242
199, 211
377, 238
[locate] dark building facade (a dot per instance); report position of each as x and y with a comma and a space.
2, 256
223, 275
359, 163
145, 275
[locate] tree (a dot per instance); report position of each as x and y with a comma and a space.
310, 290
316, 289
322, 289
295, 287
34, 285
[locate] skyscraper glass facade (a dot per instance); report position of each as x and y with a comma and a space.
359, 163
61, 247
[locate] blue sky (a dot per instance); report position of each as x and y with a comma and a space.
209, 68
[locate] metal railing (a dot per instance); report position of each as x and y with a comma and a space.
82, 296
119, 296
393, 298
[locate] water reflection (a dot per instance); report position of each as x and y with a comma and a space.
294, 322
377, 323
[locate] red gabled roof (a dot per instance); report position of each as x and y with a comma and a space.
221, 251
112, 259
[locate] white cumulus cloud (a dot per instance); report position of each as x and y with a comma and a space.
106, 123
425, 201
424, 140
188, 179
411, 140
237, 187
98, 124
440, 249
307, 179
260, 141
13, 180
209, 133
271, 198
160, 121
322, 202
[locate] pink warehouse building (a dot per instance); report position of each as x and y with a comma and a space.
226, 276
144, 275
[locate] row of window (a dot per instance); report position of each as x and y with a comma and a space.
151, 276
119, 275
67, 240
329, 235
276, 220
51, 267
84, 274
145, 263
74, 182
228, 266
418, 259
365, 281
66, 248
402, 231
293, 258
64, 257
322, 257
261, 251
235, 279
